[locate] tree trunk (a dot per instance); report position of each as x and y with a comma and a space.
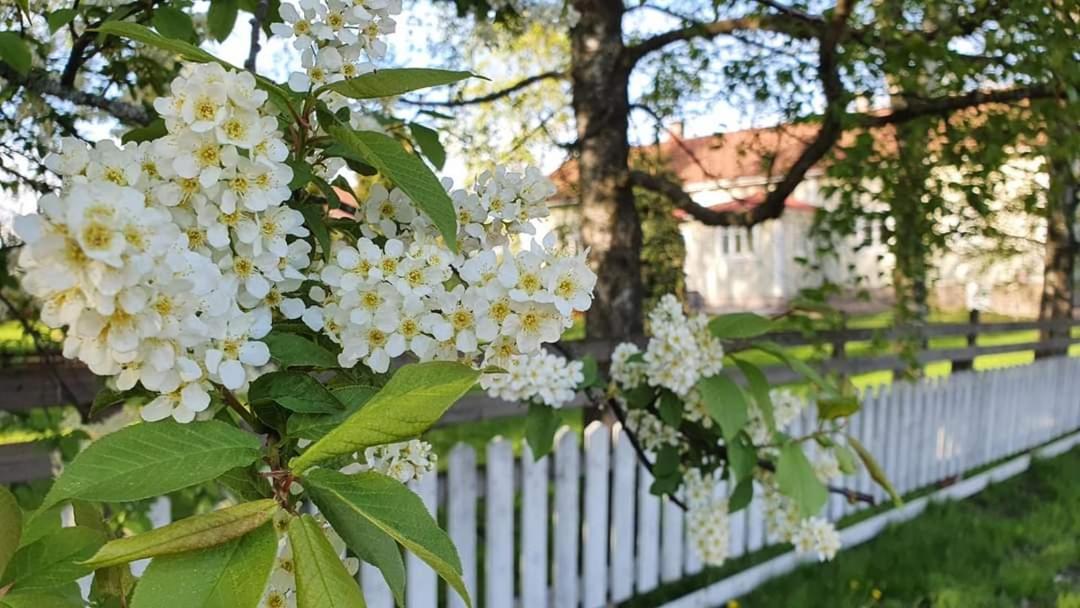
1059, 254
610, 226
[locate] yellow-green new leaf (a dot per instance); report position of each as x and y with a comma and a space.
230, 575
875, 470
394, 81
321, 578
392, 508
151, 459
10, 527
198, 532
410, 403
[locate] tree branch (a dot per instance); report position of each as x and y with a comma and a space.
938, 106
257, 19
772, 23
39, 82
521, 84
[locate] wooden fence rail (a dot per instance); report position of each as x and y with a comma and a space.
579, 528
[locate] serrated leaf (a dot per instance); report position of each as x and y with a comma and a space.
540, 425
370, 543
407, 172
294, 391
411, 402
314, 426
221, 18
321, 579
726, 403
153, 458
294, 350
173, 23
10, 527
197, 532
53, 560
394, 81
14, 52
150, 132
59, 18
796, 480
739, 325
671, 408
428, 140
874, 469
229, 575
245, 483
394, 509
42, 599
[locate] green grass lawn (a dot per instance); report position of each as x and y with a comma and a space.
1016, 543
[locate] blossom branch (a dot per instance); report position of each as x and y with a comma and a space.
39, 82
521, 84
257, 19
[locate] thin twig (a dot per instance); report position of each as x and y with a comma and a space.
257, 19
614, 405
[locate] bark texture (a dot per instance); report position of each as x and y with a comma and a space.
610, 224
1059, 254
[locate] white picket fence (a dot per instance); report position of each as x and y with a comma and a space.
580, 529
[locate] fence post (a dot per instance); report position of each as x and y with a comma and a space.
972, 340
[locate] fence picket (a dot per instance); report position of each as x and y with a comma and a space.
671, 545
595, 524
499, 525
462, 489
567, 524
534, 529
622, 517
421, 584
648, 534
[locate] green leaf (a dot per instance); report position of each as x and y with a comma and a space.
795, 364
875, 470
667, 461
321, 578
726, 403
739, 325
197, 532
796, 479
395, 510
741, 497
391, 82
153, 458
294, 350
302, 173
221, 18
837, 406
14, 52
173, 23
53, 560
230, 575
370, 543
406, 172
411, 402
294, 391
759, 389
590, 371
40, 524
10, 527
314, 426
42, 599
671, 408
540, 426
845, 459
150, 132
428, 140
59, 18
245, 483
133, 31
316, 223
742, 457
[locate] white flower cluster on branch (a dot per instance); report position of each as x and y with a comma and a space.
404, 461
280, 591
166, 259
338, 39
542, 377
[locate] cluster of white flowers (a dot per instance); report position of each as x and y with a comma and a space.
404, 461
650, 430
815, 534
338, 39
680, 352
166, 259
542, 377
280, 590
707, 517
784, 524
398, 288
787, 406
